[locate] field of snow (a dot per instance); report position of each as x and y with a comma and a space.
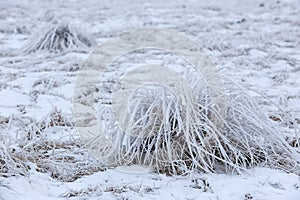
255, 43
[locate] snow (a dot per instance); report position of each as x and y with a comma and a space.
256, 43
260, 183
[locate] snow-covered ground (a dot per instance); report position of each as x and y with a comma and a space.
259, 183
256, 43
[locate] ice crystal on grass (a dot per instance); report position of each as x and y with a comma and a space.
179, 134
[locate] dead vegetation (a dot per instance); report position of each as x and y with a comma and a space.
57, 37
116, 190
47, 146
177, 137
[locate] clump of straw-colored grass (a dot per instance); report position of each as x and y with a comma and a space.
57, 37
180, 134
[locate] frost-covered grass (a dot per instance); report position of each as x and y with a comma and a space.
49, 146
178, 133
255, 43
57, 37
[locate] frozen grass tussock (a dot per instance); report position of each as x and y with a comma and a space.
57, 37
180, 130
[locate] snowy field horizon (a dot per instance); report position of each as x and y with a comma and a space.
150, 99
